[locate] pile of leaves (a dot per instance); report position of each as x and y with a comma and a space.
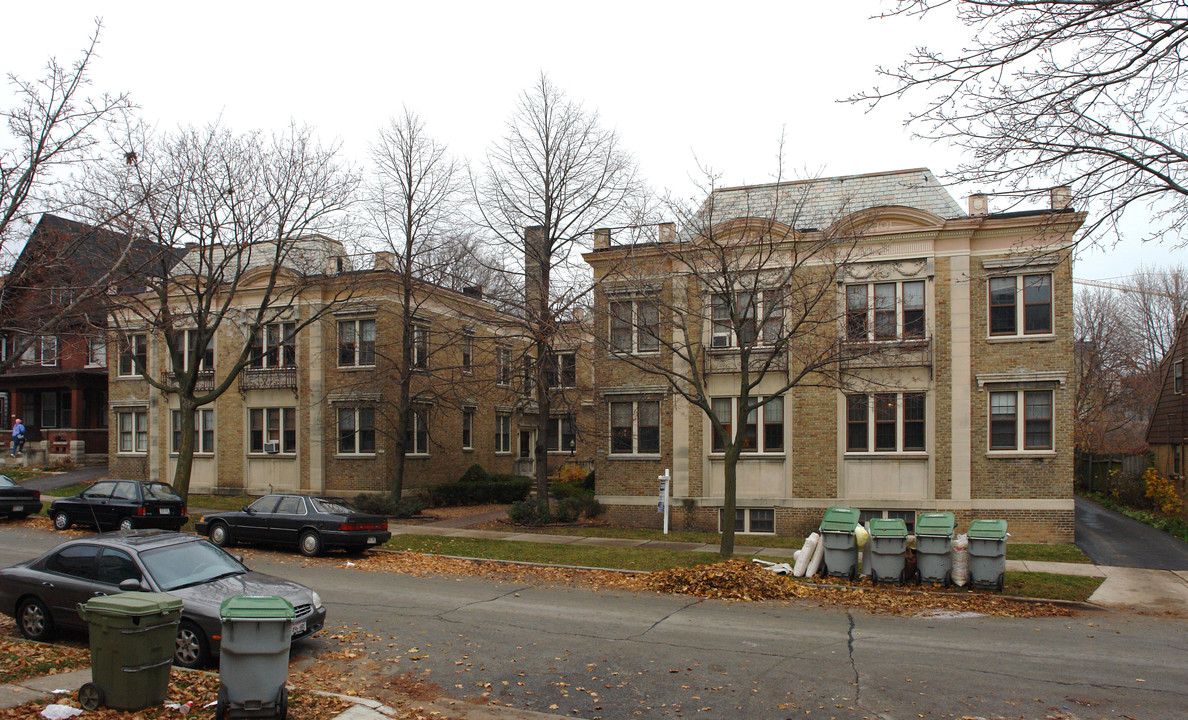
22, 659
730, 580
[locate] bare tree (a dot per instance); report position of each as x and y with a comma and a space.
554, 177
1080, 92
1112, 402
412, 208
242, 216
733, 312
53, 128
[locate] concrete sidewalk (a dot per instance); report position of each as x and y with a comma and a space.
1128, 589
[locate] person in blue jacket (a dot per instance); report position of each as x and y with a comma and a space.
18, 438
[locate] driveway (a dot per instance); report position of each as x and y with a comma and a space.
66, 479
1111, 538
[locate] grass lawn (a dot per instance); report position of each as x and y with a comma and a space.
1045, 553
1049, 586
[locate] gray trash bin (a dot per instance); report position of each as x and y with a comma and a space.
888, 550
841, 548
254, 658
987, 554
934, 544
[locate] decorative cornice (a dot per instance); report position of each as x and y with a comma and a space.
1023, 376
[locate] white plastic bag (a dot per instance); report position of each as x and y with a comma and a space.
59, 712
959, 551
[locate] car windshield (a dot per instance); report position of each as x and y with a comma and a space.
160, 491
188, 563
331, 508
6, 481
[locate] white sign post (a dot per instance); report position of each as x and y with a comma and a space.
662, 506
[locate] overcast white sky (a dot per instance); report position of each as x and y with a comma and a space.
716, 80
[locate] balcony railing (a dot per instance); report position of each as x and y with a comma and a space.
890, 353
280, 378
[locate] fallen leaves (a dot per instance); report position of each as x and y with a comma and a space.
730, 580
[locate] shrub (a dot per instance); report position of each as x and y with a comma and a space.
571, 474
568, 510
1161, 492
474, 474
529, 512
563, 490
386, 504
480, 493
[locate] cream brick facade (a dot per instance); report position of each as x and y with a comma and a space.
914, 233
319, 384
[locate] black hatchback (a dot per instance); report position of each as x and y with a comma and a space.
311, 524
17, 501
121, 504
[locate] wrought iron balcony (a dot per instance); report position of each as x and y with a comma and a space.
277, 378
887, 353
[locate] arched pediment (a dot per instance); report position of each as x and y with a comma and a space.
753, 228
888, 219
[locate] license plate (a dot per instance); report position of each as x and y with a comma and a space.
370, 540
164, 511
18, 508
298, 628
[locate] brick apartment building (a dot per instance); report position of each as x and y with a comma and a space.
313, 411
960, 400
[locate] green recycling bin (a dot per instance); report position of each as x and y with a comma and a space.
132, 636
934, 547
254, 657
987, 554
841, 548
888, 550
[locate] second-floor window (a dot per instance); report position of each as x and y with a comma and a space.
193, 356
48, 349
96, 351
133, 354
503, 365
356, 343
563, 373
467, 352
1021, 305
885, 311
634, 326
885, 422
759, 319
420, 357
1178, 377
274, 346
764, 431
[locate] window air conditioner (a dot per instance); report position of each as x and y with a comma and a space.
272, 447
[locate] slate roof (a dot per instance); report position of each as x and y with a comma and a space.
818, 203
305, 255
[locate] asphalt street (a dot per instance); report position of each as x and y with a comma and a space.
1111, 538
603, 654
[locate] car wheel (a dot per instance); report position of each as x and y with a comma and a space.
310, 544
127, 524
220, 535
61, 520
191, 649
34, 620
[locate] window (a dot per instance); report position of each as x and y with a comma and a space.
752, 521
356, 343
1177, 459
885, 311
115, 566
468, 429
272, 425
758, 437
49, 350
75, 561
635, 427
1034, 433
468, 352
1033, 315
356, 431
133, 354
96, 351
291, 505
193, 357
133, 431
564, 373
562, 434
635, 326
417, 432
203, 430
420, 348
1178, 376
503, 433
274, 346
503, 365
724, 334
885, 422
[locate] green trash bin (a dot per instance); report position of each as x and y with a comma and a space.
888, 550
840, 558
987, 554
254, 657
934, 547
132, 636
